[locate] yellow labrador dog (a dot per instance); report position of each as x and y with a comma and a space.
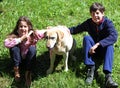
59, 41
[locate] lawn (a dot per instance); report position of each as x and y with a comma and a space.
45, 13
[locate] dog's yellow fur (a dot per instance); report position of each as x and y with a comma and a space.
58, 41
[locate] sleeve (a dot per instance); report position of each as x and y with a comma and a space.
112, 37
11, 42
79, 28
39, 34
75, 29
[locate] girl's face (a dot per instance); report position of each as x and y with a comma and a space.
97, 16
23, 28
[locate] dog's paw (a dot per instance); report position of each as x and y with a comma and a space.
49, 71
66, 69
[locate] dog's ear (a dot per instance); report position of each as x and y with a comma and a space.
60, 35
45, 33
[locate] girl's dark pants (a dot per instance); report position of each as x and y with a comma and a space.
29, 61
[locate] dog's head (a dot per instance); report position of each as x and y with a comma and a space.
53, 37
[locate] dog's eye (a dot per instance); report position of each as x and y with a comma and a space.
46, 37
52, 37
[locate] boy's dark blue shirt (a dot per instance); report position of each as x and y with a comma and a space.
104, 33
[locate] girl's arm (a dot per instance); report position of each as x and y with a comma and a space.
11, 42
39, 34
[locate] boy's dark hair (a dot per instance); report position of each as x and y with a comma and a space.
97, 6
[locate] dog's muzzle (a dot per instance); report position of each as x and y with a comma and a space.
49, 47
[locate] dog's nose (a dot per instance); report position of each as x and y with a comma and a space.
48, 47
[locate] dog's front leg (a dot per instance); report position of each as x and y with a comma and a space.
65, 56
52, 60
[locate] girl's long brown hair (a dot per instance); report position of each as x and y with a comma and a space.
14, 33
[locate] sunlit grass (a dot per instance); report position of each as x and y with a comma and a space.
45, 13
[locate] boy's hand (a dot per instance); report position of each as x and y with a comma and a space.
92, 50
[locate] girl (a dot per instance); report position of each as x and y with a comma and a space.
22, 45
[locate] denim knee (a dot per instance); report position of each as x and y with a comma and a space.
15, 55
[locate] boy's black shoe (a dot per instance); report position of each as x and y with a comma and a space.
90, 74
109, 83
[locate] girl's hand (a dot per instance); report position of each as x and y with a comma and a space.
25, 36
36, 35
39, 34
30, 33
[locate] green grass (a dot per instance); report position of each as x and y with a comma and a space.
45, 13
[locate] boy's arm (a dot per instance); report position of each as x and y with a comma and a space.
112, 37
80, 27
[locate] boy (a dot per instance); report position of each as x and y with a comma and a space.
102, 36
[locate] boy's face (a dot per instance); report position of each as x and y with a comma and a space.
97, 16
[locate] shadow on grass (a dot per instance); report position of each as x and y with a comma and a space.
42, 64
0, 8
5, 67
80, 68
99, 77
1, 11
